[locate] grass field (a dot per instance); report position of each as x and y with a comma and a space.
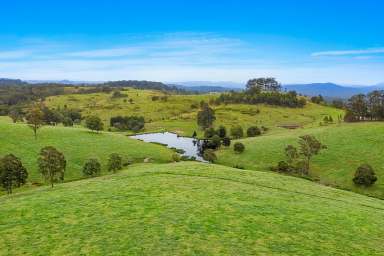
77, 144
190, 209
176, 114
349, 145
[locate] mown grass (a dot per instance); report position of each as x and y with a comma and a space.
177, 115
190, 209
349, 145
77, 144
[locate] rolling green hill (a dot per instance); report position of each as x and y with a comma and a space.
77, 144
349, 145
190, 209
177, 115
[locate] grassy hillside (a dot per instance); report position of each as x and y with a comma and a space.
349, 145
76, 144
191, 209
177, 115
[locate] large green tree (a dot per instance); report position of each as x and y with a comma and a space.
52, 164
94, 123
12, 173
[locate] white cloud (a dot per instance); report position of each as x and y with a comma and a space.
349, 52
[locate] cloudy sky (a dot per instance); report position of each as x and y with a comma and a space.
294, 41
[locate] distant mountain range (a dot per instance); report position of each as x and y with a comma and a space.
331, 90
327, 90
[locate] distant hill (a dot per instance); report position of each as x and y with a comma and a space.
208, 86
11, 82
331, 90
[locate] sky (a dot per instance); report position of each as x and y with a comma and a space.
294, 41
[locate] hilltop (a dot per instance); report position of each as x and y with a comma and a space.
191, 208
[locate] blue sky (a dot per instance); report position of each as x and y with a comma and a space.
294, 41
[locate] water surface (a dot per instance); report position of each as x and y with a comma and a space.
172, 140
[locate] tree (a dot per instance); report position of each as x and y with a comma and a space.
35, 118
16, 114
209, 133
238, 147
226, 141
209, 155
67, 122
92, 167
365, 175
253, 131
237, 132
115, 162
94, 123
257, 85
216, 141
222, 131
12, 173
206, 116
309, 146
291, 153
52, 164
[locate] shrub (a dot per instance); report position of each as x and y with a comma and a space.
365, 175
67, 121
115, 162
253, 131
237, 132
94, 123
176, 157
216, 141
285, 167
221, 131
133, 123
226, 141
238, 147
209, 155
209, 133
92, 167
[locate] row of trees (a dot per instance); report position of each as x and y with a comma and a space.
363, 107
263, 91
52, 165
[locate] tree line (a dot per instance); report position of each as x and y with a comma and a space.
263, 91
51, 165
369, 107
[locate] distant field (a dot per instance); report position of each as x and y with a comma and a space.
77, 144
349, 145
177, 115
191, 209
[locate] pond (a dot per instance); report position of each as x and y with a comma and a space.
190, 146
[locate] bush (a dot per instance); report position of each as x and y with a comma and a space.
365, 175
209, 155
176, 157
115, 162
284, 167
221, 131
237, 132
253, 131
94, 123
133, 123
226, 141
216, 141
209, 133
239, 147
67, 121
92, 167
